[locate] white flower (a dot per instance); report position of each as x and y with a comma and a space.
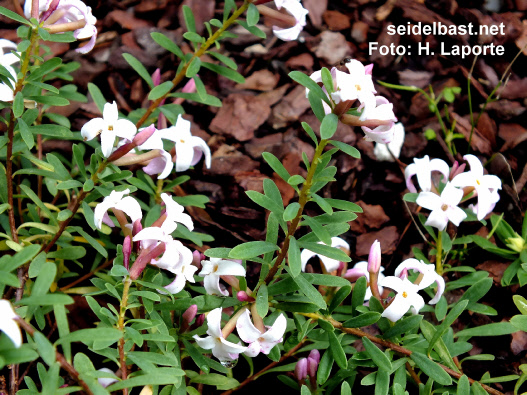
406, 298
222, 349
423, 168
109, 127
68, 11
8, 325
7, 58
329, 263
6, 90
106, 381
174, 213
444, 207
486, 186
379, 109
381, 151
216, 267
357, 84
361, 269
258, 341
119, 201
189, 149
429, 276
178, 260
294, 7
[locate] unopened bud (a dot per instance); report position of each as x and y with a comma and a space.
368, 69
190, 86
127, 250
243, 297
156, 77
457, 169
144, 258
190, 314
200, 320
315, 355
374, 259
354, 274
143, 135
197, 257
312, 367
301, 369
516, 243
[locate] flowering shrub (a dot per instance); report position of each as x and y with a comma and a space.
172, 318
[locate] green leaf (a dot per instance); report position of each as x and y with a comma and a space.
44, 69
139, 68
93, 242
254, 30
45, 348
521, 303
160, 90
32, 195
157, 376
311, 292
403, 326
51, 131
189, 19
220, 381
327, 79
194, 37
323, 204
344, 205
318, 229
477, 290
294, 260
359, 291
324, 367
382, 382
463, 386
494, 329
193, 67
251, 249
449, 320
18, 105
307, 82
276, 165
70, 253
337, 351
224, 59
88, 336
196, 356
225, 71
346, 148
97, 96
431, 369
27, 136
295, 180
46, 300
339, 297
429, 331
378, 357
330, 252
328, 126
262, 301
363, 319
14, 16
167, 43
291, 211
252, 15
266, 202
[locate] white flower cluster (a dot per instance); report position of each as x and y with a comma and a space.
188, 149
457, 186
377, 115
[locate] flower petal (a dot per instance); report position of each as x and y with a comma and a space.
246, 329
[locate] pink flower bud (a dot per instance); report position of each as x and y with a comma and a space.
190, 313
197, 257
144, 258
243, 297
156, 77
404, 274
369, 69
374, 259
457, 169
137, 227
312, 367
354, 273
190, 86
315, 355
144, 135
200, 320
127, 250
301, 369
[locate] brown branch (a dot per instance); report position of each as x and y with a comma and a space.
270, 366
60, 358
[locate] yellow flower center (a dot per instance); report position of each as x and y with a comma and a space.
444, 207
110, 128
358, 87
477, 182
182, 141
405, 295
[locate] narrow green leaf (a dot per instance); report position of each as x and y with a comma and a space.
454, 313
167, 43
157, 376
324, 367
160, 90
347, 149
45, 348
329, 126
14, 16
189, 19
252, 15
97, 96
311, 292
307, 82
431, 369
139, 68
33, 196
463, 386
276, 165
494, 329
225, 71
262, 301
362, 320
337, 351
26, 134
330, 252
382, 382
291, 211
403, 326
294, 260
339, 297
251, 249
18, 105
378, 357
318, 229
